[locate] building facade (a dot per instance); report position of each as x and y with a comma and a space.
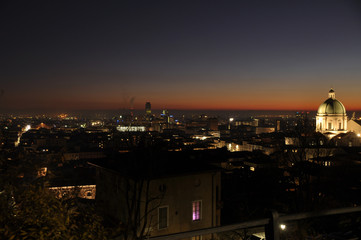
354, 126
167, 203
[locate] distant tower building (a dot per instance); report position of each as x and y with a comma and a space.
213, 124
278, 125
331, 118
165, 115
148, 109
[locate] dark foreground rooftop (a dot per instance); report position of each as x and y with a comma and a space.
157, 164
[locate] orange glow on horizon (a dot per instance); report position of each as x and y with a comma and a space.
212, 105
192, 100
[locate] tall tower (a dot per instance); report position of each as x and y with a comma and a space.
331, 118
148, 109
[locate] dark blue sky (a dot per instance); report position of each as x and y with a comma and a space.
180, 54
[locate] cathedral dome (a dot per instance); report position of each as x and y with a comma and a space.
331, 106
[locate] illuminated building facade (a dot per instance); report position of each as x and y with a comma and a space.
131, 128
331, 118
354, 126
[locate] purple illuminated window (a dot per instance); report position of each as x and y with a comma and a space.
196, 210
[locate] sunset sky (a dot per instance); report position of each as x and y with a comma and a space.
279, 55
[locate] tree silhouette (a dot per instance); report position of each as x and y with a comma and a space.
28, 210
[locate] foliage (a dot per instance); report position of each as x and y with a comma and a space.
28, 210
35, 213
140, 207
243, 234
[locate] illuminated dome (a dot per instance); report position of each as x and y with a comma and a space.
331, 106
331, 116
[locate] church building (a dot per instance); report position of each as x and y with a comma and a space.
331, 118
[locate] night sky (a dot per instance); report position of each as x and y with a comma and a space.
281, 55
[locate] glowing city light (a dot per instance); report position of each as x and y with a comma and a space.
27, 128
131, 128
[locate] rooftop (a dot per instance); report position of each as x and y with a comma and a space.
158, 164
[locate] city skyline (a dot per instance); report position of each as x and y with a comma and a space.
234, 55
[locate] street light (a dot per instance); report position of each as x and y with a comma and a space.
283, 227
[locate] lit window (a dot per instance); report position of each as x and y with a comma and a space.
163, 217
196, 210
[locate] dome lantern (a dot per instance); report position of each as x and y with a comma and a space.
331, 94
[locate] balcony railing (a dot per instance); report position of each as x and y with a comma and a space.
271, 224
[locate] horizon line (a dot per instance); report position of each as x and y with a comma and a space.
157, 109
